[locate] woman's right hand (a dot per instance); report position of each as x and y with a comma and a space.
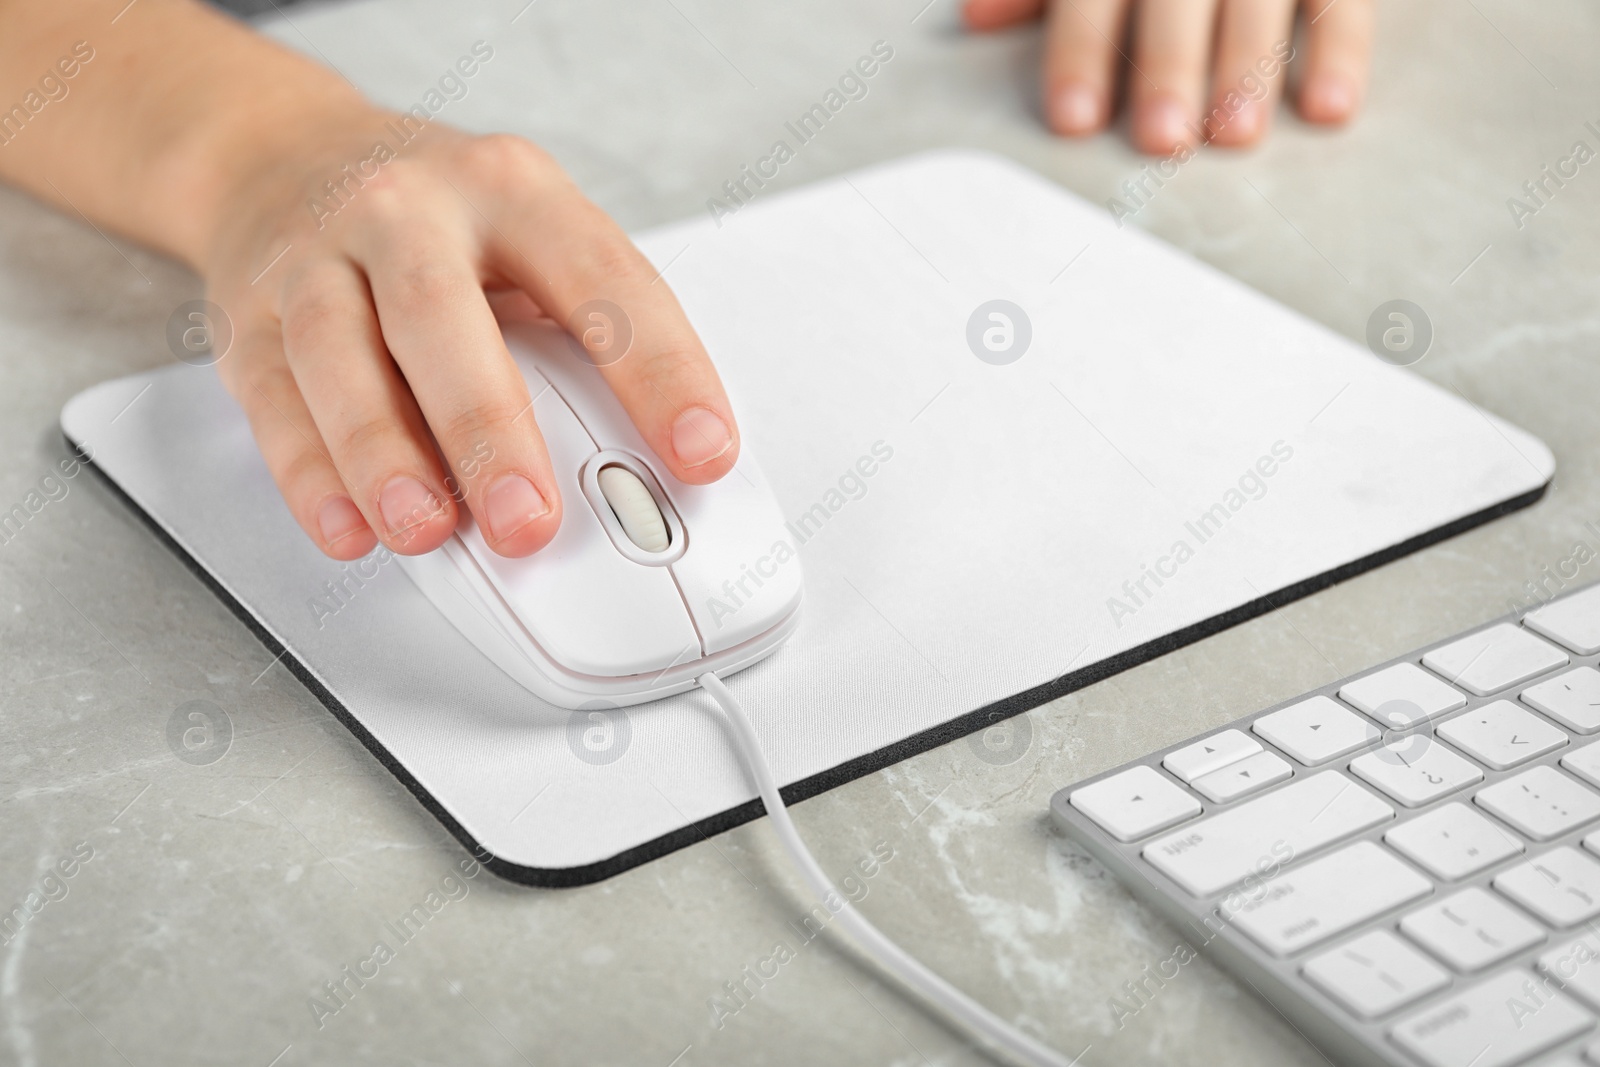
370, 364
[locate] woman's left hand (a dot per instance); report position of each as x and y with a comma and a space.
1196, 70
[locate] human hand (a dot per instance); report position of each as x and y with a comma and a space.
368, 359
1198, 70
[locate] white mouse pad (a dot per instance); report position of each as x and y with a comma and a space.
990, 511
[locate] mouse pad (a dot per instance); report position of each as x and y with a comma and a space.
1020, 449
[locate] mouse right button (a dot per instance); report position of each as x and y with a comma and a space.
740, 570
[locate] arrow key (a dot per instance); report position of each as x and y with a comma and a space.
1317, 730
1246, 776
1135, 803
1502, 735
1209, 754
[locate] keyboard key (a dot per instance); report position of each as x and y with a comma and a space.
1375, 974
1317, 730
1137, 802
1492, 659
1571, 699
1401, 684
1257, 836
1576, 965
1246, 776
1213, 753
1415, 770
1453, 841
1584, 762
1562, 887
1309, 904
1502, 734
1541, 802
1471, 929
1573, 620
1494, 1024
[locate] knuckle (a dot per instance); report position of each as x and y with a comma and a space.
608, 254
250, 360
370, 435
385, 197
301, 473
276, 380
471, 427
259, 390
673, 367
501, 158
428, 283
309, 311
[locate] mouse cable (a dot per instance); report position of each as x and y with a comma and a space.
891, 957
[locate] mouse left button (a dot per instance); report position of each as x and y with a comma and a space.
591, 610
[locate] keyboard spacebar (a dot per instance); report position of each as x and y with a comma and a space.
1261, 835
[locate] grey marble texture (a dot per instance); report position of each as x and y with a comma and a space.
220, 897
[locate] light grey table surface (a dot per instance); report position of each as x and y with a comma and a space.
220, 898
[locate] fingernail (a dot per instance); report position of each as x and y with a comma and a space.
1075, 108
1329, 97
406, 502
1161, 125
1242, 125
512, 503
338, 518
700, 436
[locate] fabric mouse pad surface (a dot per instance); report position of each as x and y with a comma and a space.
989, 511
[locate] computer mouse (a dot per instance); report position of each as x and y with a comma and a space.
649, 583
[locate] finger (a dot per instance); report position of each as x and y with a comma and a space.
260, 380
1081, 59
445, 340
1171, 58
997, 14
1338, 57
566, 253
1255, 39
363, 407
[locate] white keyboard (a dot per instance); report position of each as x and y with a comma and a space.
1406, 862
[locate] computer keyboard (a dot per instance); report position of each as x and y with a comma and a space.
1406, 863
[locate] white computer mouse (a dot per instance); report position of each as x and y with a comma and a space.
649, 583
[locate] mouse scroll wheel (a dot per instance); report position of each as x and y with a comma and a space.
635, 508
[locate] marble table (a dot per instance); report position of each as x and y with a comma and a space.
210, 904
